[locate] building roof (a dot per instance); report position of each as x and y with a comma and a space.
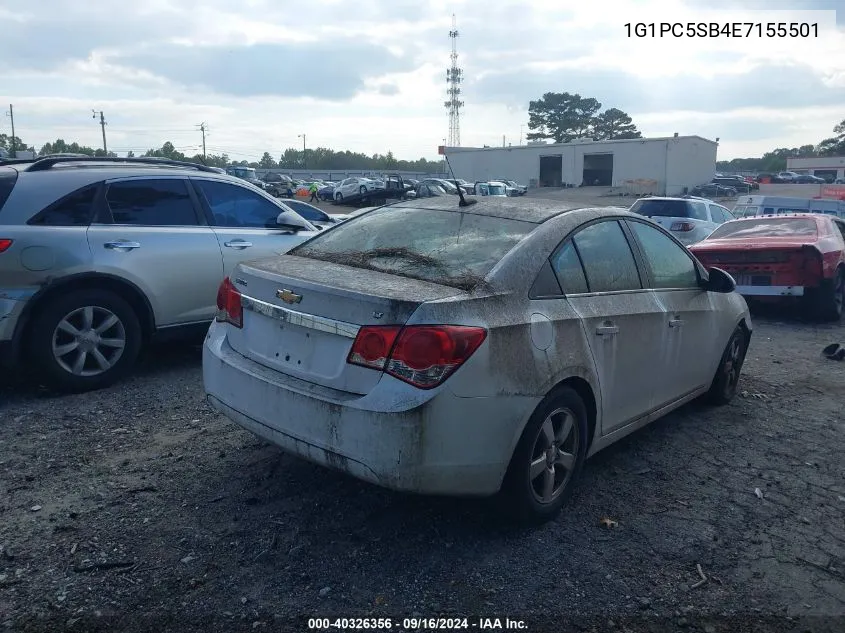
577, 143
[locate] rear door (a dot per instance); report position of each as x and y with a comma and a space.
152, 234
624, 322
689, 326
244, 222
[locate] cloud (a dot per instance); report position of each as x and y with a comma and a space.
765, 86
334, 70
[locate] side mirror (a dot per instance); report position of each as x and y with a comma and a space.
289, 221
719, 281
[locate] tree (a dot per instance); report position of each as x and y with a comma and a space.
6, 143
614, 124
835, 145
60, 146
130, 154
561, 116
267, 161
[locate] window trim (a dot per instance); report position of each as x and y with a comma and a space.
92, 216
634, 253
105, 212
643, 260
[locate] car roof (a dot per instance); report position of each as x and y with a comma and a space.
535, 210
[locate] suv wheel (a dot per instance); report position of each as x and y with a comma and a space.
85, 340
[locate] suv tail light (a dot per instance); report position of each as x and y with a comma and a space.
5, 244
229, 308
682, 226
421, 355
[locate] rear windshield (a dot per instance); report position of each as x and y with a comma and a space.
444, 247
766, 227
8, 177
668, 209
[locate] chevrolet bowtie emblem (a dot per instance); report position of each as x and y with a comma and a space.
288, 296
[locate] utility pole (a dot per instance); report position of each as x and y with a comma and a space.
304, 160
11, 115
102, 125
203, 129
520, 133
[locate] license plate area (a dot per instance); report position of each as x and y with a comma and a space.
754, 280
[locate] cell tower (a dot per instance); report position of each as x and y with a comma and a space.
454, 77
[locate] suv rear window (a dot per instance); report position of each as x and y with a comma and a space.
443, 247
669, 209
766, 227
8, 178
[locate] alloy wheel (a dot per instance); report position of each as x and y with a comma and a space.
88, 341
733, 362
554, 456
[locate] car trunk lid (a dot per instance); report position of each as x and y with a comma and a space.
301, 316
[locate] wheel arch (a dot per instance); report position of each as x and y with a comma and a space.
585, 391
121, 287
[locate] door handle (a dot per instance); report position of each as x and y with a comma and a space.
121, 245
676, 322
237, 244
607, 330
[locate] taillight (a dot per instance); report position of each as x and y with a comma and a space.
421, 355
813, 260
682, 226
5, 244
229, 308
372, 346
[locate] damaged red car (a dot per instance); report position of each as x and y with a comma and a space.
775, 257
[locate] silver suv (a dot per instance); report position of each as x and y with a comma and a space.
99, 256
690, 219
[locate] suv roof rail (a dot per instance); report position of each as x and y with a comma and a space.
43, 164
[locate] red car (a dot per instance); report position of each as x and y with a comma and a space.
797, 255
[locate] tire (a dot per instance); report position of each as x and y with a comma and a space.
723, 388
362, 190
73, 309
524, 496
827, 302
338, 196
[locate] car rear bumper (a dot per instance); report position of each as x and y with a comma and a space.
445, 445
771, 291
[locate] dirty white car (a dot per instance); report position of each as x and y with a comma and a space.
468, 350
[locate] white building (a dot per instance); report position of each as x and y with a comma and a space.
645, 165
828, 167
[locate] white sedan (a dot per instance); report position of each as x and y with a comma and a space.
467, 350
354, 187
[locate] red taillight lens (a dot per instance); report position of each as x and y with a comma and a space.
5, 244
372, 346
422, 355
229, 308
682, 226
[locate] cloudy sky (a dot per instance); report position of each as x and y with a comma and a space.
369, 75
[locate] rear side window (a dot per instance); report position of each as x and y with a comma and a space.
608, 261
75, 209
8, 178
444, 247
151, 202
670, 209
567, 267
766, 227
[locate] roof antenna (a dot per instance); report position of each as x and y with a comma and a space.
464, 202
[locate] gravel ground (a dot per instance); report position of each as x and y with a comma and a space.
137, 508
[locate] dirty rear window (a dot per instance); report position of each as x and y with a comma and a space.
669, 209
8, 177
444, 247
766, 227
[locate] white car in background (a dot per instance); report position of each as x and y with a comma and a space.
689, 219
354, 187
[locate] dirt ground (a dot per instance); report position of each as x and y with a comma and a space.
137, 508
